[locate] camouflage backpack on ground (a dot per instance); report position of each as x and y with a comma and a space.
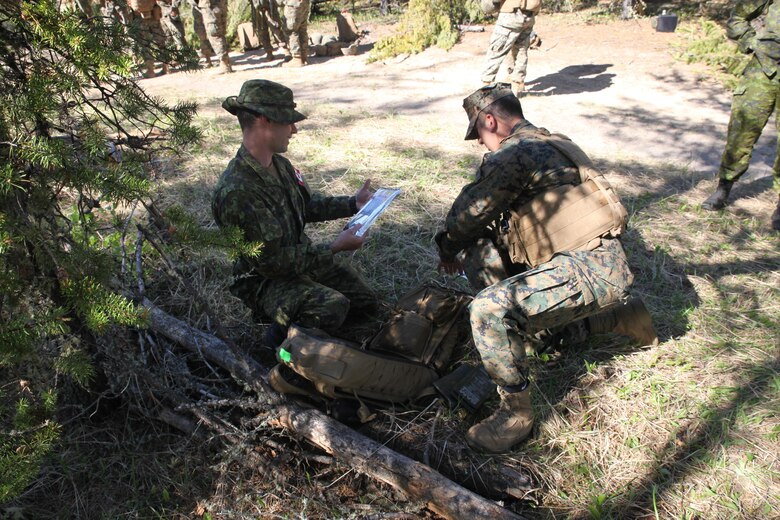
398, 365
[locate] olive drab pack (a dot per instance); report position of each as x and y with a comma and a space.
399, 364
567, 218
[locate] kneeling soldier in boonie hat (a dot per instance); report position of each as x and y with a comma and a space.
291, 279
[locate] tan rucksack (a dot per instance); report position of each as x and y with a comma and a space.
397, 365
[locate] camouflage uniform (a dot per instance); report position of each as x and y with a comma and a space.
758, 91
292, 279
509, 41
571, 286
148, 14
210, 23
266, 22
296, 15
172, 25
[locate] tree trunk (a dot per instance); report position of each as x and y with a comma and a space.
416, 480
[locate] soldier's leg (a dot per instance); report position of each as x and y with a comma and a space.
260, 25
501, 42
304, 302
519, 65
754, 101
214, 14
775, 219
348, 281
483, 264
206, 52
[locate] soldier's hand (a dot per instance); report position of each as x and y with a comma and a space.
347, 240
450, 266
363, 195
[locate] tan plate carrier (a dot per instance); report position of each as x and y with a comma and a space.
567, 218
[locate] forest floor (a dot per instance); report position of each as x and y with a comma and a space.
686, 429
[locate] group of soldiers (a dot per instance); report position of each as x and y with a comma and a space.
162, 26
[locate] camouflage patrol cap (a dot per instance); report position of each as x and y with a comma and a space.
265, 98
479, 100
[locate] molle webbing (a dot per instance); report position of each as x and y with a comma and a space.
567, 218
338, 368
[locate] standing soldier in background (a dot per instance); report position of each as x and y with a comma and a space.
148, 14
755, 25
266, 22
210, 21
171, 23
296, 14
114, 11
510, 39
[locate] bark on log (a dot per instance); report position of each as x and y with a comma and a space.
367, 456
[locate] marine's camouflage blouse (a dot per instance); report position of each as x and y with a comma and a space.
273, 208
520, 169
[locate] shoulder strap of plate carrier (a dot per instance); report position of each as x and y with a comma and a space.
569, 217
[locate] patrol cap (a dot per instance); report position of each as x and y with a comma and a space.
479, 100
265, 98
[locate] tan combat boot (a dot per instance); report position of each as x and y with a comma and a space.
296, 61
631, 320
224, 65
518, 88
508, 425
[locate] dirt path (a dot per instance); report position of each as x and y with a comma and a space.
614, 88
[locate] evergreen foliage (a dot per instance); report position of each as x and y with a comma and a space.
705, 42
77, 142
426, 23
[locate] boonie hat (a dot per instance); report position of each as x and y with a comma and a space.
265, 98
479, 100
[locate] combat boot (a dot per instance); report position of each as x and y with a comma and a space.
508, 425
224, 65
518, 87
718, 199
631, 320
776, 216
295, 62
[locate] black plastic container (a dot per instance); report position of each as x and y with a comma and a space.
666, 22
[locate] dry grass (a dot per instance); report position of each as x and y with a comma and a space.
688, 429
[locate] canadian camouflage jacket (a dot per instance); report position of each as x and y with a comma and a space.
755, 26
273, 208
522, 168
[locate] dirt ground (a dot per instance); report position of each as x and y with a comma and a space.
614, 88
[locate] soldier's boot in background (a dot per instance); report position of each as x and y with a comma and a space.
149, 66
508, 425
718, 199
165, 68
631, 320
224, 64
776, 215
518, 88
296, 61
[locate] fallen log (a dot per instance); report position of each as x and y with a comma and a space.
416, 480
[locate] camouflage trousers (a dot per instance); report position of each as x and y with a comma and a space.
755, 99
210, 23
509, 41
172, 25
322, 300
572, 286
296, 16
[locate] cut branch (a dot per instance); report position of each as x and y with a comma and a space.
416, 480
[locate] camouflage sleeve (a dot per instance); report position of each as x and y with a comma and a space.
260, 224
738, 27
480, 203
327, 208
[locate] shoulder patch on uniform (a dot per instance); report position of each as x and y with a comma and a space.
298, 176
